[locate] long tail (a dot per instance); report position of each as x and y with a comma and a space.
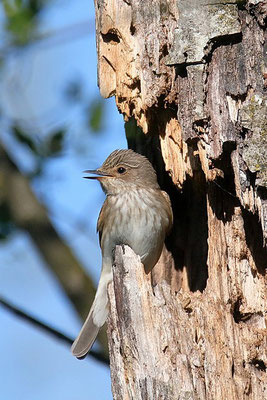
96, 318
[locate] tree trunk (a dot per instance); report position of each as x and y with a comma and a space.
188, 77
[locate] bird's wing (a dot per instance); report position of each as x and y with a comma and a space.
100, 221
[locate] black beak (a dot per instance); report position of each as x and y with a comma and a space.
99, 174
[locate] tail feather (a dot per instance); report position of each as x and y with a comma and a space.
85, 339
95, 319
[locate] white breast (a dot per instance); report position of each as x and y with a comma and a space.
140, 222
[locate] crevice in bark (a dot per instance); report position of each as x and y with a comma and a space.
160, 114
240, 96
233, 369
175, 243
222, 194
190, 228
195, 231
241, 4
258, 12
132, 29
238, 315
243, 132
251, 178
236, 310
259, 364
254, 240
180, 70
200, 126
223, 200
262, 192
135, 84
164, 51
109, 63
188, 240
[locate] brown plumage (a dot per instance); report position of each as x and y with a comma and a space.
137, 213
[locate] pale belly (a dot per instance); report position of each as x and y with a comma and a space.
139, 226
145, 238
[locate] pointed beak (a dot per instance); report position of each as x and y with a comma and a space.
99, 174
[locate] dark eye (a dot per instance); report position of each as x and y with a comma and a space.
121, 170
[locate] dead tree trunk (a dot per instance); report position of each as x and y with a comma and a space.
188, 77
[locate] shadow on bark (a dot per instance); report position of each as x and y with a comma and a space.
222, 195
223, 200
188, 240
254, 239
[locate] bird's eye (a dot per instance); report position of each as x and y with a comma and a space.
121, 170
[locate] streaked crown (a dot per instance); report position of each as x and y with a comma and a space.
126, 167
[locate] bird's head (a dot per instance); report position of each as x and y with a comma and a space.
124, 170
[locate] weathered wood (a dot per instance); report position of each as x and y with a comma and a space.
192, 76
214, 78
169, 345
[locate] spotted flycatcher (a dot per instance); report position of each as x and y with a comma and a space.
135, 213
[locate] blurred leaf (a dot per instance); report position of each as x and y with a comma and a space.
96, 111
73, 91
6, 224
21, 19
49, 146
54, 143
24, 138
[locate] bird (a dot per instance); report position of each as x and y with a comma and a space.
137, 213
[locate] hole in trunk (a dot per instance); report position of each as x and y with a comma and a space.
259, 364
111, 37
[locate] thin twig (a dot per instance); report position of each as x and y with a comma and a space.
59, 335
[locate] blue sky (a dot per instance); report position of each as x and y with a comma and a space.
32, 364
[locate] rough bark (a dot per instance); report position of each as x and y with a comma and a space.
166, 345
190, 79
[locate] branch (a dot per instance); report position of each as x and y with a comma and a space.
99, 356
29, 214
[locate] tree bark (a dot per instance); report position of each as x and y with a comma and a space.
190, 80
178, 346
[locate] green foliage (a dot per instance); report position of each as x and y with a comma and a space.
54, 143
21, 19
24, 138
96, 111
21, 26
50, 146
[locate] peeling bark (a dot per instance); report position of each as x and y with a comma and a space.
190, 79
